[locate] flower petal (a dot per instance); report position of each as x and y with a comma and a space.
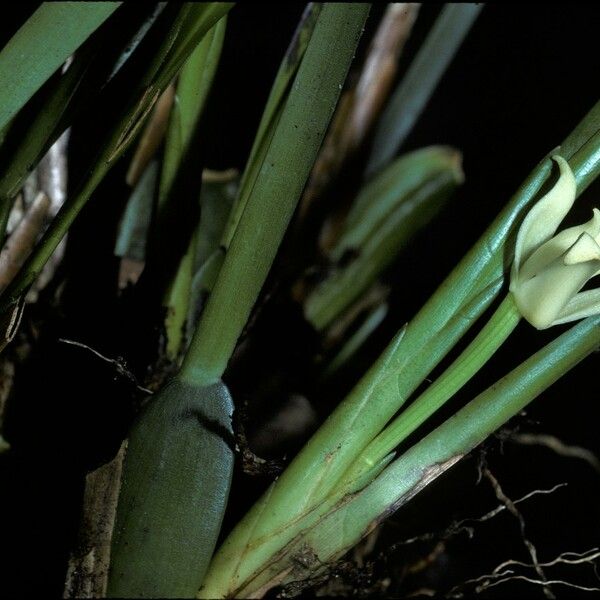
542, 299
557, 246
543, 219
584, 304
583, 250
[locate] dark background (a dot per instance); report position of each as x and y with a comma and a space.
522, 80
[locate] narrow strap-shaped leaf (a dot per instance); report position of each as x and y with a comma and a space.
61, 99
272, 113
39, 133
386, 214
41, 46
133, 227
380, 196
283, 174
193, 86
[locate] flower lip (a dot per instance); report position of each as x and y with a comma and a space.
550, 269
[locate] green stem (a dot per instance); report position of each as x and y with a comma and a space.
495, 332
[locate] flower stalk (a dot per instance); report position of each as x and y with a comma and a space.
495, 332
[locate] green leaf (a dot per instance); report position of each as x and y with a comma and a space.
133, 228
58, 103
42, 45
272, 113
287, 163
385, 216
193, 87
190, 23
137, 38
35, 129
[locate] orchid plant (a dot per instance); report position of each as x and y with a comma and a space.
163, 516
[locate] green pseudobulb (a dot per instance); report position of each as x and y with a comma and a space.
172, 496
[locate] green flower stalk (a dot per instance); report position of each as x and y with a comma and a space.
480, 350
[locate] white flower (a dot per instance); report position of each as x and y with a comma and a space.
549, 270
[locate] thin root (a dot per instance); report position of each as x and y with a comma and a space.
118, 364
558, 446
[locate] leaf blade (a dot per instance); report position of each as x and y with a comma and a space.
42, 45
